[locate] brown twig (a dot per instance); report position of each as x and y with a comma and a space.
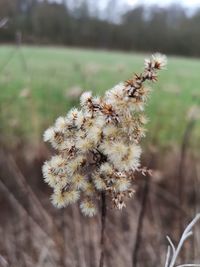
140, 222
103, 225
181, 175
184, 146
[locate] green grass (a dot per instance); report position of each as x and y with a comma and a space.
49, 72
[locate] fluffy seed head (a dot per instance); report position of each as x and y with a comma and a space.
98, 145
85, 97
88, 208
49, 134
62, 199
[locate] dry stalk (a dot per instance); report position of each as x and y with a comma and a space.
173, 252
103, 227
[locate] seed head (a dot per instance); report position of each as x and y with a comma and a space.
98, 145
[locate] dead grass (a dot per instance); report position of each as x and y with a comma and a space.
34, 233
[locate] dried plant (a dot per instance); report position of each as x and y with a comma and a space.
3, 22
98, 144
173, 252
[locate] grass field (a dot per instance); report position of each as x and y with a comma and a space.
34, 82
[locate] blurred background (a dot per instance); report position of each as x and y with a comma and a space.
52, 51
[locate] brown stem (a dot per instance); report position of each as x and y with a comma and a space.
181, 175
184, 147
103, 225
140, 223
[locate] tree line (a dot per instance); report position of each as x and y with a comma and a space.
170, 30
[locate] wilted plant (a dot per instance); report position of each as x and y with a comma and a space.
173, 252
98, 144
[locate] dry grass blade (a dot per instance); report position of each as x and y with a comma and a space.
175, 251
18, 205
3, 22
26, 193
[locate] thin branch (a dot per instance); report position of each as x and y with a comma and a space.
103, 225
140, 223
181, 168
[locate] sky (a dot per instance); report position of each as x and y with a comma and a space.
190, 5
186, 3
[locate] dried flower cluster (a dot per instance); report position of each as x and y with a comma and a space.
98, 144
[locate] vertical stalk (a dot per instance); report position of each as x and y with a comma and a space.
181, 175
184, 147
140, 222
103, 224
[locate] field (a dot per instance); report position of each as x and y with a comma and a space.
38, 84
35, 84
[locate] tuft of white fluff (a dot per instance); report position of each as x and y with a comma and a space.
85, 97
88, 208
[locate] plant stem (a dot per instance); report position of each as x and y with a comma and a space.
140, 222
181, 175
103, 224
